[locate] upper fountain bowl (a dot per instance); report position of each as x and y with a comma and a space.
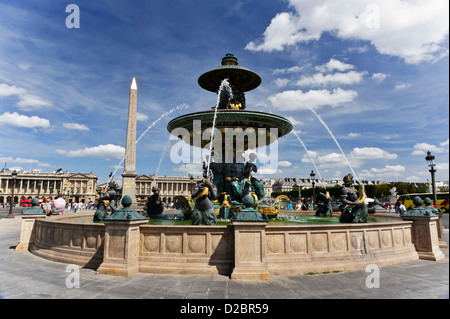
243, 78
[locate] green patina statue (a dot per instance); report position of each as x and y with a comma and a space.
154, 205
375, 206
106, 199
433, 210
323, 201
419, 210
248, 212
126, 213
353, 207
204, 194
35, 209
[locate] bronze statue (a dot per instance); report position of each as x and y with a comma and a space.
432, 210
323, 202
418, 210
353, 207
204, 194
106, 199
154, 205
237, 101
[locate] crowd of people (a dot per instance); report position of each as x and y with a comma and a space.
58, 205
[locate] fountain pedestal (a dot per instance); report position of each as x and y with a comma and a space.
425, 237
27, 232
121, 251
250, 251
122, 236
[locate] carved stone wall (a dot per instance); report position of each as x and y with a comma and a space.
341, 247
285, 250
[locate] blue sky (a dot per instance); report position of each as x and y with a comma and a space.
376, 72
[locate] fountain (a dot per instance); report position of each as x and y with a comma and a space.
238, 129
248, 247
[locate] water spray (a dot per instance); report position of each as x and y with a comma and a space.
177, 108
331, 133
223, 85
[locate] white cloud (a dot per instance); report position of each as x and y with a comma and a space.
293, 69
380, 77
354, 134
402, 86
334, 64
284, 163
26, 101
24, 66
19, 160
141, 117
192, 168
385, 172
415, 31
369, 153
19, 120
294, 122
108, 150
281, 82
319, 79
297, 99
76, 126
423, 148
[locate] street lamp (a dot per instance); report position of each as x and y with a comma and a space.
313, 175
191, 182
14, 177
430, 161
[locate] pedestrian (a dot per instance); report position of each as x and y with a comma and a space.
47, 206
59, 204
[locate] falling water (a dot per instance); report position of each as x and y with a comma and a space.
310, 158
160, 161
331, 133
177, 108
223, 85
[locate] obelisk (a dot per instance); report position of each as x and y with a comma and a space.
129, 171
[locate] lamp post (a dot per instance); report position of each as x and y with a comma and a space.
430, 161
313, 175
14, 177
191, 182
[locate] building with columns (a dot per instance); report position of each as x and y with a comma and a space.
75, 187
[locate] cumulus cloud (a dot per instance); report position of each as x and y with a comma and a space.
320, 79
279, 82
423, 148
284, 163
26, 101
368, 153
19, 120
75, 126
388, 170
108, 150
415, 31
334, 65
297, 99
380, 77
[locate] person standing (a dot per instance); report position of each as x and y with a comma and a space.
59, 204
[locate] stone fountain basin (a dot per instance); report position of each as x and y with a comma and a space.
186, 249
226, 118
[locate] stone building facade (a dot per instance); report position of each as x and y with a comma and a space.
75, 187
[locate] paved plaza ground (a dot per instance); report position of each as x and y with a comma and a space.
25, 276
